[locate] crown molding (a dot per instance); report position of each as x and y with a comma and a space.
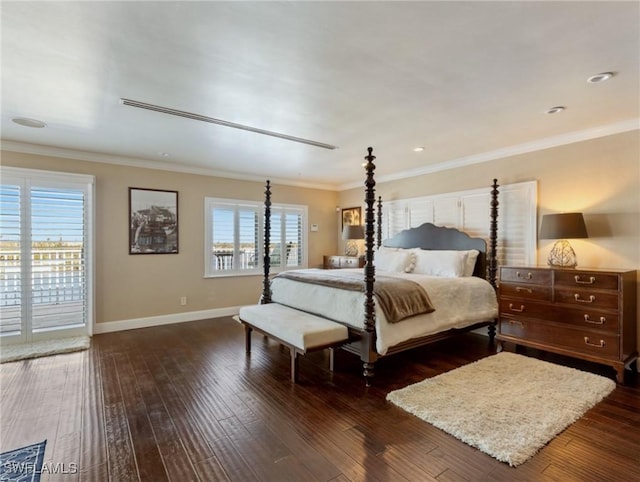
538, 145
44, 150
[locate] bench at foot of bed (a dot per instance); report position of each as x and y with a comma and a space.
301, 332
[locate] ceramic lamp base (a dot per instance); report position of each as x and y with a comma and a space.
562, 255
351, 248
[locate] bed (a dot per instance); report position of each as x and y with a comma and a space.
456, 271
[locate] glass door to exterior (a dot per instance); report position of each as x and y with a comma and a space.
45, 255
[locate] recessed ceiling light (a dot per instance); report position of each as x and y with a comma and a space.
555, 110
596, 79
418, 149
26, 122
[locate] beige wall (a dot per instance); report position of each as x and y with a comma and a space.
139, 286
600, 178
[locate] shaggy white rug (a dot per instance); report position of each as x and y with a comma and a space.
10, 353
506, 405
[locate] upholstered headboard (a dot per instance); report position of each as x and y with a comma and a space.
430, 236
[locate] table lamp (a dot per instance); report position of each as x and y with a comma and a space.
562, 227
350, 234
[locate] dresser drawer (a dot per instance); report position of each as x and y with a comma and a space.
604, 345
590, 298
526, 275
525, 291
350, 263
586, 279
331, 262
525, 308
583, 318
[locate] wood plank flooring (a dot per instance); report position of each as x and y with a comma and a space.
182, 402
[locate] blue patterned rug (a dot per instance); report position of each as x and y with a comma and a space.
23, 464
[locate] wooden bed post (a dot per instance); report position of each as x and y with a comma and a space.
368, 354
493, 235
266, 287
493, 242
379, 214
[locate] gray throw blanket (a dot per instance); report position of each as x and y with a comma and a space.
398, 298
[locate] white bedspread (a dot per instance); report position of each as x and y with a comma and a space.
458, 302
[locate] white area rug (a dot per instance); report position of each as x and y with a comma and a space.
10, 353
506, 405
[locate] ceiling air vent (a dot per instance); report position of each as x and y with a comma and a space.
212, 120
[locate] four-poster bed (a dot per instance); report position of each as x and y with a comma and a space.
463, 296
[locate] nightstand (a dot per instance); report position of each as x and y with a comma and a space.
588, 314
339, 262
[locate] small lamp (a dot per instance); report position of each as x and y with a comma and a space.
562, 227
350, 234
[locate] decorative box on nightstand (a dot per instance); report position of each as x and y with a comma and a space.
589, 314
338, 262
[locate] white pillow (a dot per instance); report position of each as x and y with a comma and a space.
394, 259
470, 264
445, 263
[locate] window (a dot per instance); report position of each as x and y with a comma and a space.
469, 212
234, 237
46, 264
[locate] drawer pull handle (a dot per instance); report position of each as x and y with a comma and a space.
520, 288
516, 309
598, 322
592, 279
516, 322
528, 276
579, 300
599, 345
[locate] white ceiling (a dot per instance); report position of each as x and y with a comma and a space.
469, 81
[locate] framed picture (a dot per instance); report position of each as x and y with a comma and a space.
351, 217
153, 221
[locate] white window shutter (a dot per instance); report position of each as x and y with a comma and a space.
469, 211
446, 211
517, 224
420, 212
475, 215
234, 237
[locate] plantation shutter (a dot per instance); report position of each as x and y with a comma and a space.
10, 259
234, 235
45, 255
247, 239
420, 212
446, 211
475, 215
394, 218
517, 224
58, 275
469, 211
293, 227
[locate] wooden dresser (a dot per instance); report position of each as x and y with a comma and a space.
338, 262
589, 314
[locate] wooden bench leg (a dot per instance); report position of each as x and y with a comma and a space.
247, 338
331, 358
294, 365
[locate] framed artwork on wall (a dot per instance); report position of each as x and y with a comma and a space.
351, 217
153, 221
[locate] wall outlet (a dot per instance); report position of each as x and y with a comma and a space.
183, 300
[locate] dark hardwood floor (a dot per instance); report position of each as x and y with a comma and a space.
182, 402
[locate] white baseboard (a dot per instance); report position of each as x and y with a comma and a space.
111, 326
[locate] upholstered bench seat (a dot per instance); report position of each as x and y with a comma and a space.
301, 332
